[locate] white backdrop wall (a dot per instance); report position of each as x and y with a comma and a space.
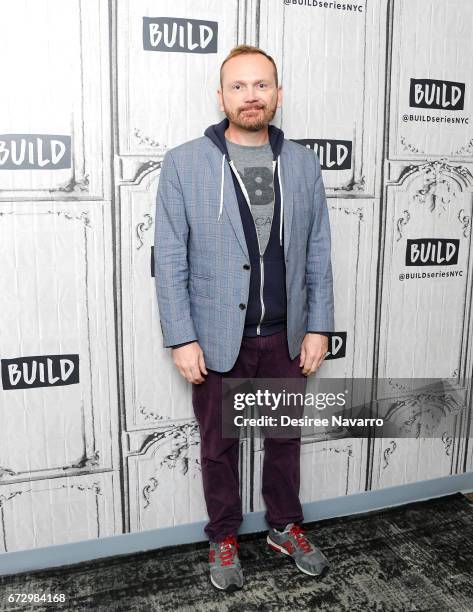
96, 424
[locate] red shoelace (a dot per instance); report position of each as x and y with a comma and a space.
301, 540
227, 549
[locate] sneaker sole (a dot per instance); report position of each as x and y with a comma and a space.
281, 549
229, 589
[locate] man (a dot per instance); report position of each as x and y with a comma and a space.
244, 287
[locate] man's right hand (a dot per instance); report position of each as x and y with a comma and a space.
189, 360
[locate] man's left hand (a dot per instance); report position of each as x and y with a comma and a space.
314, 347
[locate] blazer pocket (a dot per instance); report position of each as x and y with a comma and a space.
200, 285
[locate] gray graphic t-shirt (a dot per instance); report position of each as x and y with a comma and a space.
255, 166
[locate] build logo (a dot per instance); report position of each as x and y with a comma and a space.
332, 154
172, 34
35, 152
337, 345
40, 371
432, 252
431, 93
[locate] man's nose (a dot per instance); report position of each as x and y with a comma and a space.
251, 94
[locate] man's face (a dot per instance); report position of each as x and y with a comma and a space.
249, 96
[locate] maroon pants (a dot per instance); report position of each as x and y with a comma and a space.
259, 357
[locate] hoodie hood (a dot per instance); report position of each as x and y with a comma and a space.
216, 133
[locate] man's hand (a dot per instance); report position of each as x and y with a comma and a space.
189, 360
314, 347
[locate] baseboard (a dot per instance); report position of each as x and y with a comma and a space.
128, 543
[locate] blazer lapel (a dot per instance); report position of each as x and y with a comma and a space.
288, 199
230, 202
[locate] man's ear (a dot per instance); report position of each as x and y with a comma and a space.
220, 99
280, 96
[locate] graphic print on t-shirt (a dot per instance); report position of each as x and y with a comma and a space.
255, 166
259, 181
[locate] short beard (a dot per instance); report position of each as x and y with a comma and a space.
253, 123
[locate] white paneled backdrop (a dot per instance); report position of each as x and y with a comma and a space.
97, 435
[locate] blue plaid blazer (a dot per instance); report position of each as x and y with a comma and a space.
200, 250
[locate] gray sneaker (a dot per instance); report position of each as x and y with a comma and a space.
225, 569
292, 541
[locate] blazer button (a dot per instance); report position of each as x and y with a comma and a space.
246, 267
242, 306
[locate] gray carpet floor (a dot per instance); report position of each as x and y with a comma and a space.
417, 557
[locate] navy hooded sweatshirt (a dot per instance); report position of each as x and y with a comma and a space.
266, 305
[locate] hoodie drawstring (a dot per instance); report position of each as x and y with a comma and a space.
282, 200
221, 188
222, 179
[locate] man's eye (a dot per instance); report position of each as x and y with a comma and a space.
236, 86
262, 85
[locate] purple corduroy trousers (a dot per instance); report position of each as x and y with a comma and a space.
259, 357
